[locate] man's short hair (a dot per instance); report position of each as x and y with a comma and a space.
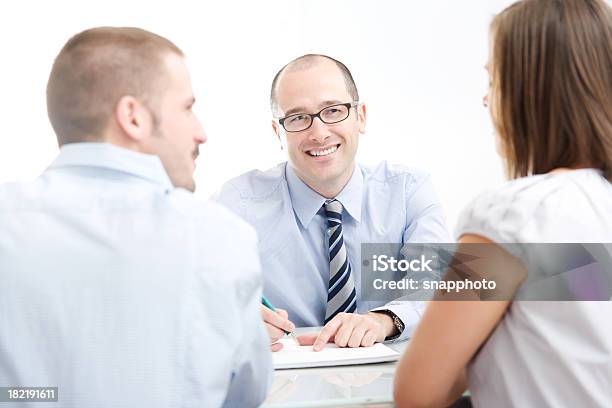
95, 69
304, 62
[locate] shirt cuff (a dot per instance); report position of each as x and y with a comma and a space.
409, 313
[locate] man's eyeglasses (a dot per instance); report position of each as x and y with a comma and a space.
331, 114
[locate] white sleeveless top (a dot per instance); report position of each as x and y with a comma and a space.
545, 353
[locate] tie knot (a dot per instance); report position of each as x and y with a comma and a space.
333, 209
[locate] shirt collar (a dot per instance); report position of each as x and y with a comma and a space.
108, 156
306, 202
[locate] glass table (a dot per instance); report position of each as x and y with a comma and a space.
368, 385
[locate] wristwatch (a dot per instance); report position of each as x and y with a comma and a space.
397, 322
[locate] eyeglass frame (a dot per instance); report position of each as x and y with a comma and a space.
349, 105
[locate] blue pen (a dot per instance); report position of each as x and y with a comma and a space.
267, 304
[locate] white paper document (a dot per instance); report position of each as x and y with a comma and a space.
294, 356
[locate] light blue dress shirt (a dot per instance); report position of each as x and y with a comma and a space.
126, 292
385, 203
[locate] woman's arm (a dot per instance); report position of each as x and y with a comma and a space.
432, 370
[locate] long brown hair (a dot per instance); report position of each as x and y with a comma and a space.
551, 73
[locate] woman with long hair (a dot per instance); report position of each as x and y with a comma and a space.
550, 99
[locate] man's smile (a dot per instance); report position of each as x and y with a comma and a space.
323, 151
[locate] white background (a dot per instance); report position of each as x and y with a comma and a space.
418, 67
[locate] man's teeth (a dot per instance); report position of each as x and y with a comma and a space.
323, 152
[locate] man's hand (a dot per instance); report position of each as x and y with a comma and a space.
276, 324
351, 330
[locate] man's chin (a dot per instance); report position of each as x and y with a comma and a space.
191, 186
324, 178
188, 185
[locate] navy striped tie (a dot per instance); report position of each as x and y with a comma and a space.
341, 295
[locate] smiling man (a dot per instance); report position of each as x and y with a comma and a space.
313, 212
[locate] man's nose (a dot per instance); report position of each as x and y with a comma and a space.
200, 135
318, 130
201, 138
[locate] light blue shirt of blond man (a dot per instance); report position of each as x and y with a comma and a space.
123, 291
384, 203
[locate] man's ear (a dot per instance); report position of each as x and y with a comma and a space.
277, 131
133, 118
361, 116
